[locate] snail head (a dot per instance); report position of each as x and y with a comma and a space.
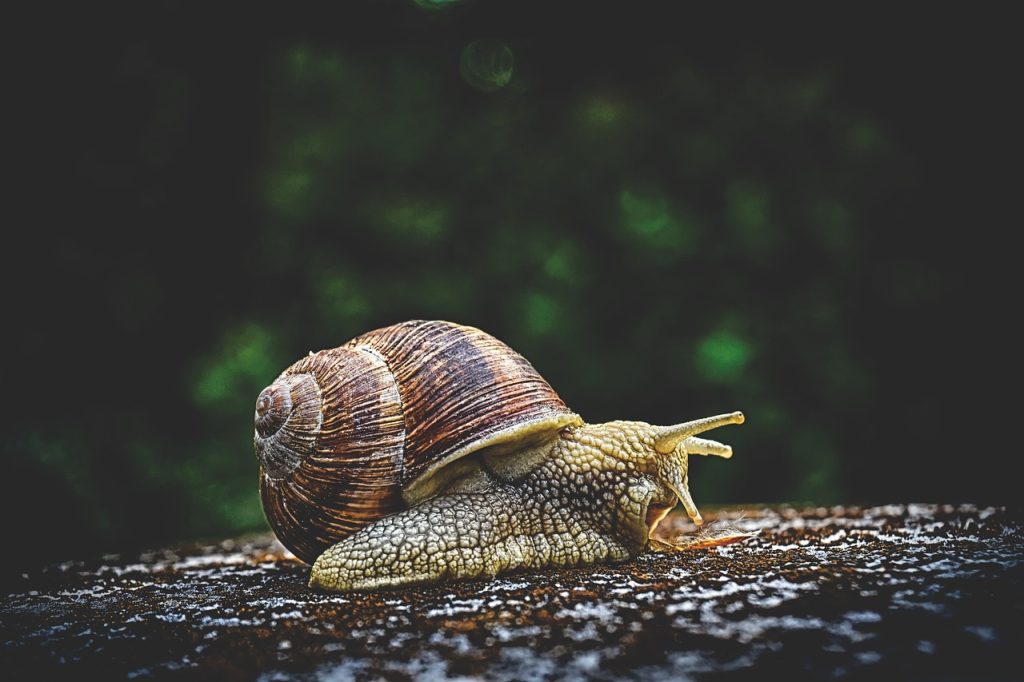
674, 445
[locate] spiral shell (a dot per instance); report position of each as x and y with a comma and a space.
342, 433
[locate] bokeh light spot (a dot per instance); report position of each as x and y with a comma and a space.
290, 194
442, 295
599, 112
833, 227
748, 205
722, 356
818, 465
416, 221
487, 64
863, 137
434, 4
541, 314
560, 262
245, 361
307, 66
807, 95
647, 217
341, 304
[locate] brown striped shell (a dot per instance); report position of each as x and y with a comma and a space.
347, 435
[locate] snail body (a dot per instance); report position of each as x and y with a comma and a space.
428, 451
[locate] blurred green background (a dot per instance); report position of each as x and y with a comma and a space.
667, 224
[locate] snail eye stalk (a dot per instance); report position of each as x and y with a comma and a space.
671, 436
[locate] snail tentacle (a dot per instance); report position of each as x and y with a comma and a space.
704, 446
671, 436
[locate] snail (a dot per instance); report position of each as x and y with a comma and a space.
429, 451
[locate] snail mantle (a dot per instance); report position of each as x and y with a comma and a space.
910, 592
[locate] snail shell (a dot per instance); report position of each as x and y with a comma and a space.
351, 434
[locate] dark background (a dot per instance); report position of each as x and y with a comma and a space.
670, 215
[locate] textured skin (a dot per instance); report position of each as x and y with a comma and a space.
586, 502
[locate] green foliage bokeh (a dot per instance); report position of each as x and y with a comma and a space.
665, 234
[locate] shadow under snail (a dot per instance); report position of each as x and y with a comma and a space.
430, 451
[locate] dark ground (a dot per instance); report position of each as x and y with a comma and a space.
901, 591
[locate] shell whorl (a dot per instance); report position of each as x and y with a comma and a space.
394, 404
345, 472
289, 414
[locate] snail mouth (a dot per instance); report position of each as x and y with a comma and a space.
288, 419
655, 514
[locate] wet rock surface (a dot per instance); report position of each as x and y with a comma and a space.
904, 591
